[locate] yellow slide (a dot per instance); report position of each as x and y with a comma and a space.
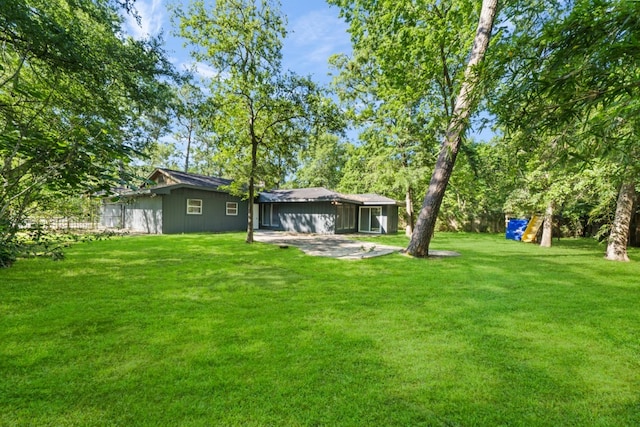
531, 231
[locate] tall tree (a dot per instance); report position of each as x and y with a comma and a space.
400, 84
479, 186
322, 163
74, 92
157, 154
580, 72
425, 225
264, 115
190, 101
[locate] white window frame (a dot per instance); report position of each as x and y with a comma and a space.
232, 208
379, 218
194, 206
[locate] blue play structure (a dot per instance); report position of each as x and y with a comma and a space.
516, 228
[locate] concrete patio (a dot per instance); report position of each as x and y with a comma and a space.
338, 246
326, 245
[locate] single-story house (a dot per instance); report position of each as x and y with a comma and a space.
322, 211
177, 202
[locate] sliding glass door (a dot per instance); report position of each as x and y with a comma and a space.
269, 215
370, 219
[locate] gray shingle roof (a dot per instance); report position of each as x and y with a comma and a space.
315, 194
163, 181
167, 179
193, 179
319, 194
372, 199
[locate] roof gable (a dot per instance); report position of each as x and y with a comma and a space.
168, 177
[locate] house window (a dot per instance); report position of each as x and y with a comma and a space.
194, 207
352, 216
267, 211
232, 208
270, 216
346, 217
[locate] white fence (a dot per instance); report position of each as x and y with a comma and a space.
64, 224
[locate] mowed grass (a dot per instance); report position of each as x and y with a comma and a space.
201, 330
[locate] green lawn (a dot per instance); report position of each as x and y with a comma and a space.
206, 330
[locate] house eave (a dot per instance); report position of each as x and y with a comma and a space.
167, 189
334, 198
135, 193
197, 187
382, 203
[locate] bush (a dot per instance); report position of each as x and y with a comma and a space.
8, 254
38, 241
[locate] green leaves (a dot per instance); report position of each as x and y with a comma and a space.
73, 92
570, 84
582, 62
263, 116
240, 37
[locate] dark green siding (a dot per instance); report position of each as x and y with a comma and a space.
317, 218
391, 213
214, 216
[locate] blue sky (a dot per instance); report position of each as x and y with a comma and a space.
315, 33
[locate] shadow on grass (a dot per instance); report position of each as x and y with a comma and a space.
195, 329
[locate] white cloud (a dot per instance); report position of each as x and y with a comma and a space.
316, 36
152, 14
202, 71
205, 71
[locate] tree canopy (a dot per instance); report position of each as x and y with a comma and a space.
74, 91
400, 86
576, 80
261, 114
79, 99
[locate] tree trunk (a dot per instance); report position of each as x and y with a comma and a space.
619, 236
425, 225
409, 212
634, 228
547, 227
252, 182
186, 159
